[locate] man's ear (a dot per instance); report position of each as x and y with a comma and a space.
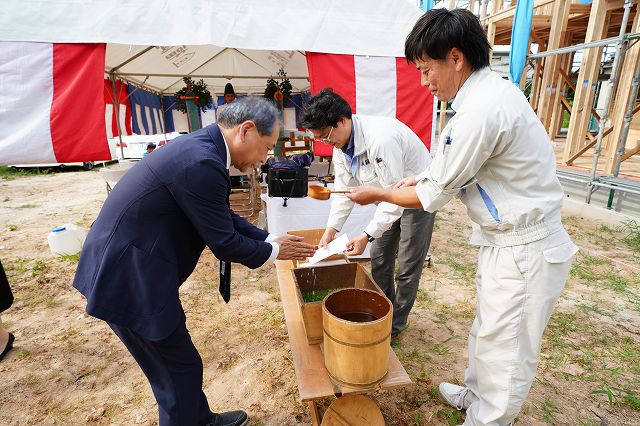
245, 127
458, 58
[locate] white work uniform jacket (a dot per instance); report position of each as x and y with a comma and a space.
496, 156
385, 152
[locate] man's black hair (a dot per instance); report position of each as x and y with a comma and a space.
440, 30
325, 109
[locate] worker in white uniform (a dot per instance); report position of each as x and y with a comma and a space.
378, 151
495, 155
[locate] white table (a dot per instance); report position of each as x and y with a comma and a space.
307, 213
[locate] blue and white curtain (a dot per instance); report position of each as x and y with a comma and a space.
145, 111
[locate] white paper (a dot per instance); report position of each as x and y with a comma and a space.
334, 247
324, 263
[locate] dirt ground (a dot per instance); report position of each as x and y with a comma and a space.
68, 368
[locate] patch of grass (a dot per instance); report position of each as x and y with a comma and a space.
591, 270
620, 397
571, 220
11, 227
273, 317
317, 295
73, 258
424, 298
452, 416
546, 411
24, 353
462, 271
28, 206
631, 229
38, 268
593, 307
10, 173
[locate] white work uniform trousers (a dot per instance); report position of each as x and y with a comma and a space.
517, 288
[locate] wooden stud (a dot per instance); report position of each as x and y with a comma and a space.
549, 89
557, 114
587, 82
496, 6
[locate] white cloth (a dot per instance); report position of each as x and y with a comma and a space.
517, 288
496, 156
387, 151
307, 213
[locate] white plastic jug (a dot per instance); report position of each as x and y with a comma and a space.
66, 240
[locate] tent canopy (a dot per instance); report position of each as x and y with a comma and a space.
159, 41
161, 68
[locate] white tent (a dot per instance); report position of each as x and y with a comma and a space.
156, 42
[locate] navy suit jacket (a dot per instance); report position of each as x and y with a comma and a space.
153, 228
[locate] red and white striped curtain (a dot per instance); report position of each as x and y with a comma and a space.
383, 86
52, 105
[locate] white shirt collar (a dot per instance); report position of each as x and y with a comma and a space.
226, 145
457, 101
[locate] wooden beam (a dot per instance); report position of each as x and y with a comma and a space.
510, 12
496, 6
585, 148
586, 84
549, 89
557, 115
633, 151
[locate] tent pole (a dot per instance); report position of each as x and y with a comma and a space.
164, 129
116, 106
613, 78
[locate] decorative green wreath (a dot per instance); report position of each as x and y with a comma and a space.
273, 86
193, 89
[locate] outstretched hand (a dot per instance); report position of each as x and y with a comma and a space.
408, 181
365, 194
357, 245
328, 236
293, 247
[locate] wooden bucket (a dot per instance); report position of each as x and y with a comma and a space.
357, 336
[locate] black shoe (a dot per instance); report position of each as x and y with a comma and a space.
8, 347
230, 418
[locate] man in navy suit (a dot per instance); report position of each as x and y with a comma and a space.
149, 236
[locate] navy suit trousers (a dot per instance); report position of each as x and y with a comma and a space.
173, 367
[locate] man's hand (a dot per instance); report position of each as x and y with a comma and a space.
365, 194
328, 236
357, 245
408, 181
293, 247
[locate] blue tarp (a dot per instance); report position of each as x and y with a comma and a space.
520, 39
426, 5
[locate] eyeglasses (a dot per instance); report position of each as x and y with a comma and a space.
327, 139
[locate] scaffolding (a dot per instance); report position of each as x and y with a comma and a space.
583, 62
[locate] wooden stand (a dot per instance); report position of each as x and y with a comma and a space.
311, 376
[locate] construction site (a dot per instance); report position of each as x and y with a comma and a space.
581, 78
